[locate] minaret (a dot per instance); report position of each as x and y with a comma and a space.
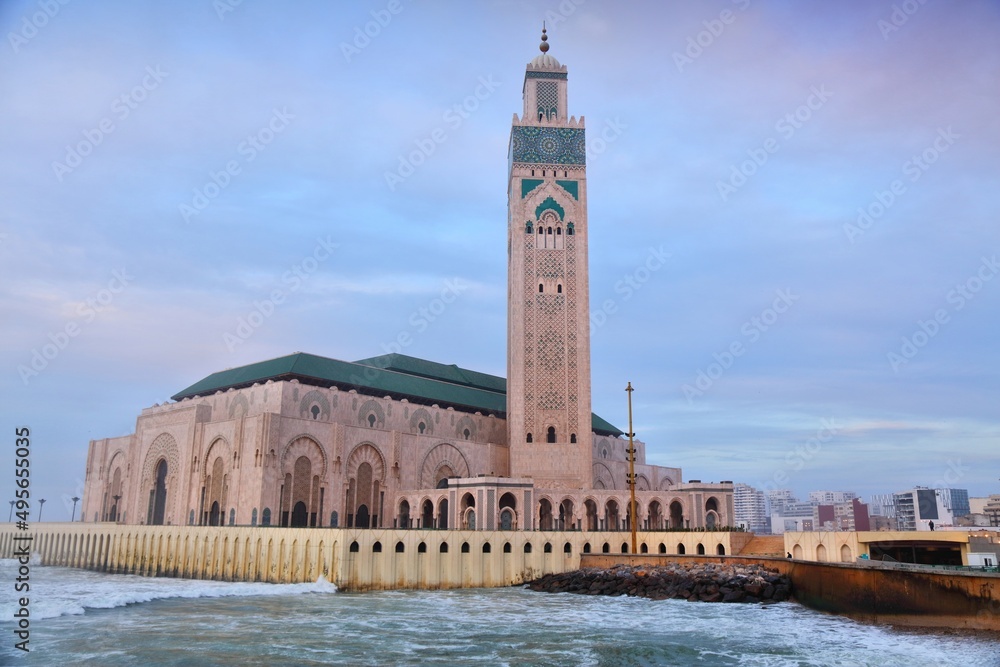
548, 334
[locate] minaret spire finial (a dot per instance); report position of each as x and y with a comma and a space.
544, 46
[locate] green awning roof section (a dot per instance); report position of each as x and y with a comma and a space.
396, 375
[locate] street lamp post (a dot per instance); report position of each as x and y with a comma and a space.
10, 517
72, 517
41, 504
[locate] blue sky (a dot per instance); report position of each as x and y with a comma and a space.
793, 216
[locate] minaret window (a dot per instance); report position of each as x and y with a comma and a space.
528, 439
569, 229
572, 438
547, 99
529, 228
551, 437
541, 288
558, 289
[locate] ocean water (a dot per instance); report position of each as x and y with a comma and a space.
85, 618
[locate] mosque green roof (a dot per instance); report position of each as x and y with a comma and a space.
396, 375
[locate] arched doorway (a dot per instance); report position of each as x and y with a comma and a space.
544, 514
611, 515
362, 518
213, 515
566, 520
427, 515
508, 507
712, 514
404, 514
443, 514
158, 496
676, 515
591, 508
655, 516
300, 515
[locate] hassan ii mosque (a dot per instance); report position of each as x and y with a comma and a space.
396, 441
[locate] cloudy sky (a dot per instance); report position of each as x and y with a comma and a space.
793, 212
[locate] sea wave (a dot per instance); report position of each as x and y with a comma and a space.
60, 591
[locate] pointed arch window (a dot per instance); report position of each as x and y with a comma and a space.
529, 228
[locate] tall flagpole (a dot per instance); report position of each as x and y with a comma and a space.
631, 468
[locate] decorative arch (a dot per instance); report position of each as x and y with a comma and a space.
218, 448
466, 428
239, 406
304, 445
665, 484
444, 454
366, 472
603, 479
676, 513
641, 483
160, 488
369, 408
114, 485
422, 416
318, 399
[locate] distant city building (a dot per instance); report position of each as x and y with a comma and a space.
850, 516
831, 497
956, 500
985, 511
883, 504
793, 516
920, 507
778, 498
750, 509
883, 523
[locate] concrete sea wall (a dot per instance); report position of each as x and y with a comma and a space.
354, 559
871, 593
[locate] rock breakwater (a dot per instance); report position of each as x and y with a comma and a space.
704, 582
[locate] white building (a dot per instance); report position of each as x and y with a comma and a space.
750, 509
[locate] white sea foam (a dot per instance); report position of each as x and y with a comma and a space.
59, 591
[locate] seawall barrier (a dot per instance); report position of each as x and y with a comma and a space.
871, 593
354, 559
